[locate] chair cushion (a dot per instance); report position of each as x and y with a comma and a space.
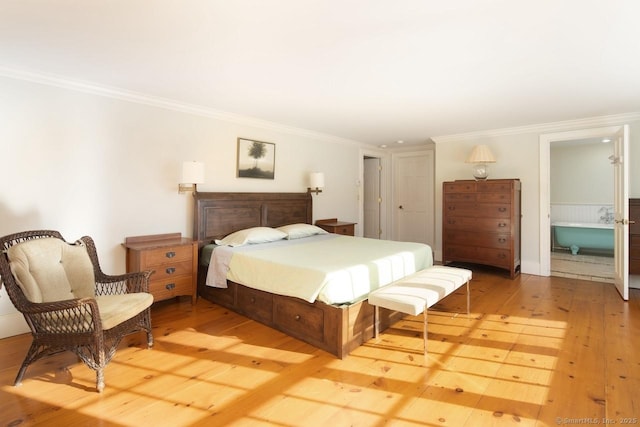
50, 269
115, 309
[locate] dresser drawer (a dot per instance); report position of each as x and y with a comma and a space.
477, 210
495, 187
459, 187
480, 255
299, 319
171, 255
460, 197
479, 239
495, 198
477, 224
496, 257
460, 209
168, 288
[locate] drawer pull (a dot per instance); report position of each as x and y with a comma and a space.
502, 224
297, 317
252, 300
170, 286
170, 254
502, 240
170, 270
452, 208
502, 209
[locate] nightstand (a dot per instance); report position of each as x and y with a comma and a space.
332, 225
174, 260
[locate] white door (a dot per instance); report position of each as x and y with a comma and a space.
414, 200
371, 198
620, 160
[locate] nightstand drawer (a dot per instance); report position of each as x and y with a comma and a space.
170, 254
171, 269
337, 227
168, 288
347, 230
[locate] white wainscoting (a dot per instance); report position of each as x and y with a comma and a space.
587, 213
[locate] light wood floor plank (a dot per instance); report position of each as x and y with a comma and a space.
534, 351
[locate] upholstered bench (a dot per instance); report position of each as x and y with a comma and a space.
414, 294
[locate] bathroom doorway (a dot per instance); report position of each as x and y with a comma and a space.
581, 209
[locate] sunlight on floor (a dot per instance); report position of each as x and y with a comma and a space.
475, 364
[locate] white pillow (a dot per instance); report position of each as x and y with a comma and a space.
252, 235
297, 231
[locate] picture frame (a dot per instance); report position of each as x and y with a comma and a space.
256, 159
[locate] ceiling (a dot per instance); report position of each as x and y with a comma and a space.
373, 71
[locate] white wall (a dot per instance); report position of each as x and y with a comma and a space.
85, 164
517, 154
581, 174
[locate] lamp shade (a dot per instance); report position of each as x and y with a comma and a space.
481, 154
316, 180
192, 173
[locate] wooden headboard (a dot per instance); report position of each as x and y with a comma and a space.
218, 214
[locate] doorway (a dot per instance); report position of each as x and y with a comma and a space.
582, 193
371, 197
620, 136
373, 190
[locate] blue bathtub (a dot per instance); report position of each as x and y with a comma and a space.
576, 236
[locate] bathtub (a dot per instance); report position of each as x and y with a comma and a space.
577, 235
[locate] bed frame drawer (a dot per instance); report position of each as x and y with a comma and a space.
258, 303
299, 319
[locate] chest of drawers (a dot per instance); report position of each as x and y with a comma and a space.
481, 223
174, 260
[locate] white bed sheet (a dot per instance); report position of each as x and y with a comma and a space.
331, 268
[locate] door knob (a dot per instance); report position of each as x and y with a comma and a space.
400, 207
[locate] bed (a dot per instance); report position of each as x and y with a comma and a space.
337, 326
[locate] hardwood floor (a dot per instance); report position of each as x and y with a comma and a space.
535, 351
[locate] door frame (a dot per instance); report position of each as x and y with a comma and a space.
545, 183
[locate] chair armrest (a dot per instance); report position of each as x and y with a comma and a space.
80, 315
122, 283
115, 284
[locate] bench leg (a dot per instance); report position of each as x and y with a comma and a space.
424, 315
468, 299
376, 321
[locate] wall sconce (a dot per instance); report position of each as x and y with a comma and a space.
480, 156
192, 174
316, 182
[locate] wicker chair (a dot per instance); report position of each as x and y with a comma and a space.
68, 302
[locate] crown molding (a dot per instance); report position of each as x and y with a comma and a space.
600, 121
168, 104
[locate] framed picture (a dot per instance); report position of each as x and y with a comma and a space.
256, 159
